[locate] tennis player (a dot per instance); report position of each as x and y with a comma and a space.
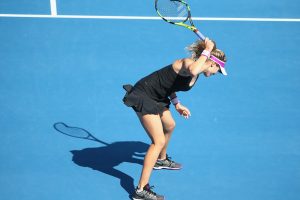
150, 98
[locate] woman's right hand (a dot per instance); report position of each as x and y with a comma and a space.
209, 44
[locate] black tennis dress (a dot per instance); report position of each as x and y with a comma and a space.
150, 94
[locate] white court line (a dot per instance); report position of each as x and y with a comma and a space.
53, 7
148, 18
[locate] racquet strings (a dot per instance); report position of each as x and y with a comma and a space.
173, 11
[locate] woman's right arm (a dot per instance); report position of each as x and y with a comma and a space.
196, 67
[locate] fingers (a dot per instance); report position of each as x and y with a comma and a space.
209, 44
183, 111
186, 114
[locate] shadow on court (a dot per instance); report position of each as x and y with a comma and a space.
107, 157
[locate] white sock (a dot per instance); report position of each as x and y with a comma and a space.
139, 189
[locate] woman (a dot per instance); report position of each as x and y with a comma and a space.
150, 98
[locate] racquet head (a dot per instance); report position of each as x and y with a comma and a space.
177, 12
173, 11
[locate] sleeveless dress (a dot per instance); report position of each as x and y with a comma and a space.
150, 94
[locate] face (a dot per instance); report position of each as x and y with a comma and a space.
213, 69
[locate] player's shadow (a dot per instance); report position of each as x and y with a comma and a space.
106, 158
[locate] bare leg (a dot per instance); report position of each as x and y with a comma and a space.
153, 126
168, 127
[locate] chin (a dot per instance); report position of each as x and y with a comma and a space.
207, 74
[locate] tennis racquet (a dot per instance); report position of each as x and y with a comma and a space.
177, 12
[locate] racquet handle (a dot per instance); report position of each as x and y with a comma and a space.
199, 34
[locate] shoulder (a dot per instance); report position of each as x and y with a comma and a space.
181, 66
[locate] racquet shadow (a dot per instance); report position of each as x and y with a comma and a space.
107, 157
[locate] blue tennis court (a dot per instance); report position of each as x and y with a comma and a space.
61, 61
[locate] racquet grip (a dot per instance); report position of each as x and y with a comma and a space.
199, 34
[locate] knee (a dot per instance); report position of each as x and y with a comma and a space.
160, 143
169, 128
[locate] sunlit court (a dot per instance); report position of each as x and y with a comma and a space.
66, 133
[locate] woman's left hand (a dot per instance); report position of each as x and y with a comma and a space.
183, 111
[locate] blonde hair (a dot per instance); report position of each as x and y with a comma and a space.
197, 47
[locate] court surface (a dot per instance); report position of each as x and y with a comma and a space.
241, 143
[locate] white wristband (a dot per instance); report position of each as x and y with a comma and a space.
175, 101
206, 53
